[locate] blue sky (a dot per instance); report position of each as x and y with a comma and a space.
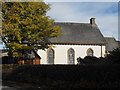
106, 14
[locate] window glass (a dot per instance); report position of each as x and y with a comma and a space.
71, 55
89, 52
50, 56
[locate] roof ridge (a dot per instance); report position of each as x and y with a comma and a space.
72, 23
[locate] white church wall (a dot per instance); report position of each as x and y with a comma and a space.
43, 55
60, 52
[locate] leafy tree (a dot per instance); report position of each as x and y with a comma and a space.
26, 27
113, 57
0, 22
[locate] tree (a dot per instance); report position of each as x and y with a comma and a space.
113, 57
0, 14
26, 27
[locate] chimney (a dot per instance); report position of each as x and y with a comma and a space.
92, 21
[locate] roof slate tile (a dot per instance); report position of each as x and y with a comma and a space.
79, 33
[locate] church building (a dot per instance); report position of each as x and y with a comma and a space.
76, 40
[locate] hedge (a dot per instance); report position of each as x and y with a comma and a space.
85, 76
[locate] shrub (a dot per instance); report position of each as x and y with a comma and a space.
114, 57
9, 60
88, 76
79, 60
88, 60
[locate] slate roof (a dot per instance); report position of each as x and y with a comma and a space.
112, 43
79, 33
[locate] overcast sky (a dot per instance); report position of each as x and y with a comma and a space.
106, 14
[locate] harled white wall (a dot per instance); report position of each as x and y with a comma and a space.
61, 52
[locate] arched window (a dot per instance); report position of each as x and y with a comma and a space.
71, 56
90, 52
50, 56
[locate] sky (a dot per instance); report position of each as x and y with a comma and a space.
106, 14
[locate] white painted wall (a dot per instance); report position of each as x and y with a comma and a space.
61, 52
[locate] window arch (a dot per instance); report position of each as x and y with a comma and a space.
50, 56
71, 56
90, 52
